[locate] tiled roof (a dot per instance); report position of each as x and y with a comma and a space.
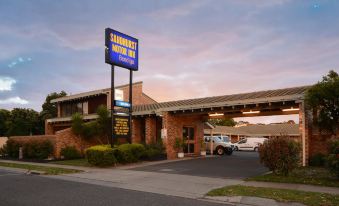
278, 95
90, 93
258, 130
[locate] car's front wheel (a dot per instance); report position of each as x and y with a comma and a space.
220, 151
256, 149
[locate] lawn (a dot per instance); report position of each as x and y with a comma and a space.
281, 195
47, 170
303, 175
76, 162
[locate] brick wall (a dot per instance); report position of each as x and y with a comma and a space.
174, 125
150, 130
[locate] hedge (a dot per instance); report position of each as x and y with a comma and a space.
32, 148
70, 152
100, 155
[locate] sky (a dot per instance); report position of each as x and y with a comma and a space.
187, 48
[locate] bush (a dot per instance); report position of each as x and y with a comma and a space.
100, 155
280, 155
128, 153
317, 160
12, 147
154, 150
333, 157
70, 152
32, 148
37, 149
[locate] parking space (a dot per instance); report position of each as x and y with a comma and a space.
240, 165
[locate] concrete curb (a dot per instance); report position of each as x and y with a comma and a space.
252, 201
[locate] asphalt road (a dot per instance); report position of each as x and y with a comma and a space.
21, 189
239, 165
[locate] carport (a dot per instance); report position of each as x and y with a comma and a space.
169, 120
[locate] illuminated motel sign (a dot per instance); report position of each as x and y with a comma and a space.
121, 50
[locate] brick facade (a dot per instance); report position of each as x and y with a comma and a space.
150, 130
174, 126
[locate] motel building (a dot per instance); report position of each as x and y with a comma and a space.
153, 120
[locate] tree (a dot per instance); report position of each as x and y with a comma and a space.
323, 97
104, 122
24, 122
50, 110
77, 128
4, 119
223, 122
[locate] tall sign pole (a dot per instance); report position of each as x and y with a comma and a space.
123, 51
112, 104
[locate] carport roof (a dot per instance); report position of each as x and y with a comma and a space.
278, 95
258, 130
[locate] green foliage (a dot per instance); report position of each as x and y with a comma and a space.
323, 97
128, 153
154, 150
50, 110
317, 160
89, 130
280, 155
70, 152
12, 148
24, 122
333, 157
223, 122
101, 155
103, 122
179, 144
37, 149
4, 121
77, 124
32, 148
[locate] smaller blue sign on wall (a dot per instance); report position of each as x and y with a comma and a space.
121, 49
120, 103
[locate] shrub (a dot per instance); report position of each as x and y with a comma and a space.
32, 148
154, 150
100, 155
127, 153
317, 160
37, 149
280, 155
333, 157
70, 152
12, 147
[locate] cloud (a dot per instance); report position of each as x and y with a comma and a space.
18, 61
6, 83
13, 100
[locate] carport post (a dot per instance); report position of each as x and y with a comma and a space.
211, 145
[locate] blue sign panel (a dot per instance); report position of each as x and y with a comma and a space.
121, 49
119, 103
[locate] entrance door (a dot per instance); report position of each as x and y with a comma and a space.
188, 134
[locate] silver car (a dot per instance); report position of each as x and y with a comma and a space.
218, 145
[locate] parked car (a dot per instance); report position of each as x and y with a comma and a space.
218, 145
249, 143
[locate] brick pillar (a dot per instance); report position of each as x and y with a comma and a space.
59, 109
169, 123
150, 130
305, 128
136, 129
49, 130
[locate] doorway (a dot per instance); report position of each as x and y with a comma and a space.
188, 134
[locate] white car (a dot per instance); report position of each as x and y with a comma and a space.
249, 143
217, 145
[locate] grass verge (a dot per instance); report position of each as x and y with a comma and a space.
47, 170
76, 162
281, 195
303, 175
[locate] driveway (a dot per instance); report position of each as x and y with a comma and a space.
239, 165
